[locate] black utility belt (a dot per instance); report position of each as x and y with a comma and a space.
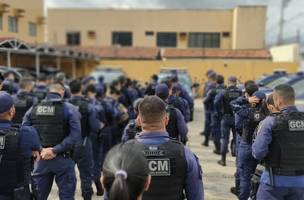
287, 172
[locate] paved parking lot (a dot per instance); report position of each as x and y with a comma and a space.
217, 179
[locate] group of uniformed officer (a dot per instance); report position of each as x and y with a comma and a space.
49, 126
268, 132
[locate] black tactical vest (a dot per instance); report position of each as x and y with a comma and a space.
14, 168
40, 94
48, 118
83, 107
286, 151
230, 95
168, 167
22, 104
172, 124
255, 117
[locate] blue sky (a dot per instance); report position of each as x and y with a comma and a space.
293, 11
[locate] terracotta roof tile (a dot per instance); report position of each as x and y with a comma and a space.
153, 53
216, 53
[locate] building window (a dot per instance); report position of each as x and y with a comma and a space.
122, 38
13, 24
167, 39
32, 29
204, 40
73, 38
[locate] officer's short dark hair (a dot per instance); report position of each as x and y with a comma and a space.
90, 88
24, 82
249, 82
75, 86
286, 92
251, 88
220, 79
154, 77
152, 109
269, 100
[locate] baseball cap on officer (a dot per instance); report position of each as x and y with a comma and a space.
232, 79
162, 91
7, 102
259, 95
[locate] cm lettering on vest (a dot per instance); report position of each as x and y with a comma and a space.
296, 125
45, 110
159, 167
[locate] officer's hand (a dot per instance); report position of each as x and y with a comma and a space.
36, 155
253, 100
102, 125
47, 154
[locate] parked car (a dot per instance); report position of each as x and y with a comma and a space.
271, 78
109, 74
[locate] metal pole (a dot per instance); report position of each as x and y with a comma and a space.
284, 5
8, 59
37, 64
58, 62
74, 68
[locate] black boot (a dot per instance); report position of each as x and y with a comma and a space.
223, 160
98, 188
206, 142
235, 191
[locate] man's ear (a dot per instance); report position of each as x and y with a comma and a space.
139, 121
147, 184
12, 111
167, 118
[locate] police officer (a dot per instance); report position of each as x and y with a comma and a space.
279, 143
215, 118
58, 126
61, 79
24, 99
83, 152
236, 105
184, 94
150, 90
41, 88
222, 106
170, 163
180, 103
208, 106
176, 127
16, 148
133, 128
252, 114
10, 82
100, 140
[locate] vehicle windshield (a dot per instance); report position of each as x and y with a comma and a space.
109, 76
276, 82
299, 88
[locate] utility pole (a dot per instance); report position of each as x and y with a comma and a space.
299, 36
284, 5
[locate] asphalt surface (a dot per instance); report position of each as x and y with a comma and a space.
217, 179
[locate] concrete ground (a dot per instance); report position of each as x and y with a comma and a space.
217, 179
